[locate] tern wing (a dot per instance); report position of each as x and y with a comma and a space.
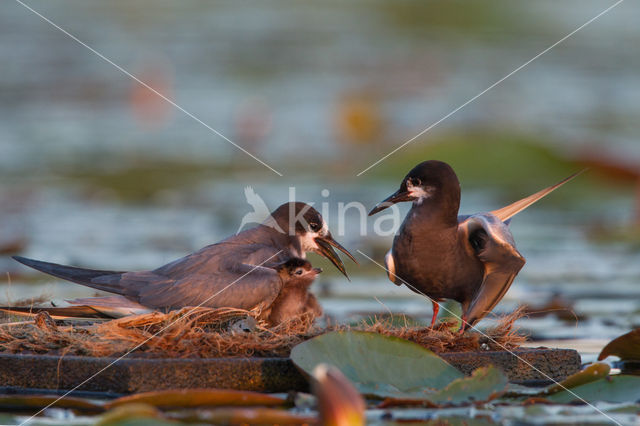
246, 287
220, 275
512, 209
491, 241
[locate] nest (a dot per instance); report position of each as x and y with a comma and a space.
445, 338
223, 332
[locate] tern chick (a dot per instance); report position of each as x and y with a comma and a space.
295, 300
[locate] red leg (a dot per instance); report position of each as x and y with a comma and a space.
436, 308
463, 325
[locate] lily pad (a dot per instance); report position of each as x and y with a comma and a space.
376, 364
484, 384
611, 389
627, 347
590, 374
133, 414
182, 398
388, 367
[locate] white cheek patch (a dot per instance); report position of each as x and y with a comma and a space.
307, 241
325, 229
420, 193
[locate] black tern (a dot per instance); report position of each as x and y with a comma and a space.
294, 300
236, 272
470, 259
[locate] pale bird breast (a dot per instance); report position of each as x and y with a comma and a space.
391, 266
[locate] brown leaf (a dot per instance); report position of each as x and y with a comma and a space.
627, 347
182, 398
36, 401
535, 400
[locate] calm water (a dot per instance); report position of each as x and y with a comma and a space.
284, 70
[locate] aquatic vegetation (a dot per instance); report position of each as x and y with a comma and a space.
397, 369
182, 398
589, 374
626, 347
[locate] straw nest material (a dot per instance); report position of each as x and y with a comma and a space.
224, 332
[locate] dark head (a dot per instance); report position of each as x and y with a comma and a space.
297, 268
306, 225
429, 180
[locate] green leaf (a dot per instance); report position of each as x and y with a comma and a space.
484, 384
378, 365
627, 347
133, 415
610, 389
590, 374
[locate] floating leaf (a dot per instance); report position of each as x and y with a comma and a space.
627, 347
611, 389
133, 414
484, 384
9, 402
397, 369
182, 398
377, 365
590, 374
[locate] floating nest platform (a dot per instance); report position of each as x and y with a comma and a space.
229, 348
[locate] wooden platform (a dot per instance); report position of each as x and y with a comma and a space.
130, 375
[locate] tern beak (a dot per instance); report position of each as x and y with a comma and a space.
325, 248
397, 197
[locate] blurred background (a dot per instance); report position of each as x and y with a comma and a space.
98, 171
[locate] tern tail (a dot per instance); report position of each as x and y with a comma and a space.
100, 280
511, 210
56, 313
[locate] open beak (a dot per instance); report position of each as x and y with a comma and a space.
325, 248
397, 197
317, 270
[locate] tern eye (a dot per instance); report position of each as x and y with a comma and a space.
314, 226
299, 272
